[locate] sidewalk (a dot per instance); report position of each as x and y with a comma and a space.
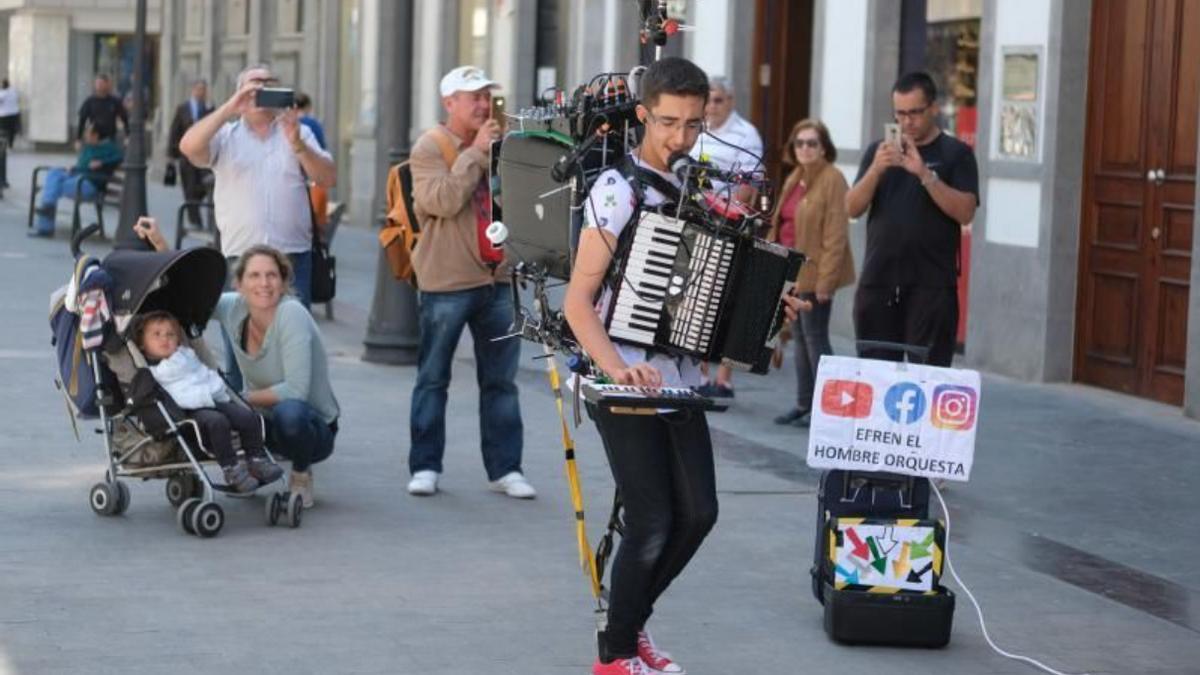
1074, 532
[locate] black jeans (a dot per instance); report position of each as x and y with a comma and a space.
925, 317
663, 467
811, 331
217, 425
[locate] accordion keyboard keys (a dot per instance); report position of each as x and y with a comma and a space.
639, 298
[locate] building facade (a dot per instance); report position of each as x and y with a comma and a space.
1080, 262
53, 49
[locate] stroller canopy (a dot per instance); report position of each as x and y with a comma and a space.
185, 283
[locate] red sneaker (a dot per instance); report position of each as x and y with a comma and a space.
656, 661
632, 666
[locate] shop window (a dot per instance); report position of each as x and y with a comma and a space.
114, 55
473, 33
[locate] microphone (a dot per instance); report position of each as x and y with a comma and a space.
497, 233
680, 163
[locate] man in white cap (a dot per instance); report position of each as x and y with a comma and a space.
464, 283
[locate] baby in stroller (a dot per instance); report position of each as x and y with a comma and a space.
201, 393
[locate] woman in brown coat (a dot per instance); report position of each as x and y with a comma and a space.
811, 218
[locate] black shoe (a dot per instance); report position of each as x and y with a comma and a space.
803, 421
714, 390
791, 416
263, 469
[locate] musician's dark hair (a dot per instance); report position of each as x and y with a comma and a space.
916, 80
675, 76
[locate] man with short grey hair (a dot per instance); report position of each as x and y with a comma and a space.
732, 144
261, 159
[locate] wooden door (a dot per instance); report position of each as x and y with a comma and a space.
1139, 189
782, 72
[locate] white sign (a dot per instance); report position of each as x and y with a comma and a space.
897, 417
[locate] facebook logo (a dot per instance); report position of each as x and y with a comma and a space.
904, 403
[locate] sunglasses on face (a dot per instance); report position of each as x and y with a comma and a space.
806, 143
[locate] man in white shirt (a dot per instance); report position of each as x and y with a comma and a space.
729, 129
260, 158
732, 144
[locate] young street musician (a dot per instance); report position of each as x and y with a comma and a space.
662, 463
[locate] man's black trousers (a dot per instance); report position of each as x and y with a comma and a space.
925, 317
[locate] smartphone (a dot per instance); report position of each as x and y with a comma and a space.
891, 134
268, 97
498, 111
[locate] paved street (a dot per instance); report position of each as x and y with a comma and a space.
1076, 532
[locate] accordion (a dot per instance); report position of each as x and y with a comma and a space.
699, 290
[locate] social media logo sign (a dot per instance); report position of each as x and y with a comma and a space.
847, 398
954, 407
904, 402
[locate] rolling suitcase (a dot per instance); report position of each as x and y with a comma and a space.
866, 495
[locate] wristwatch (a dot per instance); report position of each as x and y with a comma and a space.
930, 179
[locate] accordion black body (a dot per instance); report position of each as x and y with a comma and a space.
701, 290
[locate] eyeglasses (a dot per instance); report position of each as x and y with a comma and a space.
806, 143
915, 112
674, 124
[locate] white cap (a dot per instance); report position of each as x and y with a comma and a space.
465, 78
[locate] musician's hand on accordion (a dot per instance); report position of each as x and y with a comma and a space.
793, 305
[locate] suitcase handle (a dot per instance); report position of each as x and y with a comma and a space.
904, 485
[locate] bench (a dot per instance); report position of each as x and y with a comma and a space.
114, 186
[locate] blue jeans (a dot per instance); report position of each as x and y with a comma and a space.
302, 277
488, 312
60, 183
295, 430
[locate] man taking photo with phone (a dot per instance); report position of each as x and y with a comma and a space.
921, 189
260, 157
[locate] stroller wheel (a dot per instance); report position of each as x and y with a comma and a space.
183, 517
294, 508
179, 488
208, 519
104, 498
274, 506
123, 498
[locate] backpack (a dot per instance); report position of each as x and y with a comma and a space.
402, 231
76, 377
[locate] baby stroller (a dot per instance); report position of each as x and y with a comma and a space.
105, 376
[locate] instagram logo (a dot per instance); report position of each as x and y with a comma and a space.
954, 407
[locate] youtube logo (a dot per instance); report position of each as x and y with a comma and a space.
846, 398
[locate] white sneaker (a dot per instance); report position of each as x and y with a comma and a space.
514, 485
423, 483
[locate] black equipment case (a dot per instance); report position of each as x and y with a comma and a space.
862, 617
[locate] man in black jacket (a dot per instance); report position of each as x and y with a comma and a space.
192, 178
101, 111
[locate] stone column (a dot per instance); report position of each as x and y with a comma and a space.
393, 333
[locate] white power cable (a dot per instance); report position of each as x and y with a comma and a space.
978, 611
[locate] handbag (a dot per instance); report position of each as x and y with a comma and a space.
170, 176
324, 264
